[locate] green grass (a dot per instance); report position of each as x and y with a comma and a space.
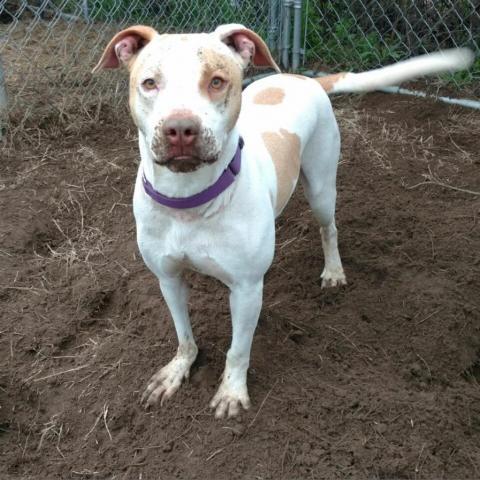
465, 78
339, 36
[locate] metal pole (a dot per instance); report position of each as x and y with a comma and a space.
297, 32
85, 11
305, 31
287, 16
272, 24
281, 9
3, 101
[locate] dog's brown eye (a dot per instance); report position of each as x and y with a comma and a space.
149, 84
217, 83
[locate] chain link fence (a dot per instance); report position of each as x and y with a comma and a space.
363, 34
48, 47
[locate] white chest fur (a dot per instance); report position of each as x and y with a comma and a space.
223, 244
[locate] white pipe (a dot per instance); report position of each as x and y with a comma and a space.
464, 102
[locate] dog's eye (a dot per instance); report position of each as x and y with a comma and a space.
217, 83
149, 84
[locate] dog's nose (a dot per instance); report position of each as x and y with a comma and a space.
181, 130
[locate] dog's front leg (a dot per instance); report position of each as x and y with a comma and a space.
245, 306
169, 378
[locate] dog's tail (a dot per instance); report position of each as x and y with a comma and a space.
433, 63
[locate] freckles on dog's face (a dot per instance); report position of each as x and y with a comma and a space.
185, 97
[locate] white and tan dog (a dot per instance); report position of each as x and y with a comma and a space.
186, 100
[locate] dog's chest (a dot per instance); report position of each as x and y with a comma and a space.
169, 246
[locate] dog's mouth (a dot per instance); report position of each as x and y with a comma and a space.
184, 163
184, 157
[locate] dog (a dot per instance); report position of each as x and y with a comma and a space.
218, 166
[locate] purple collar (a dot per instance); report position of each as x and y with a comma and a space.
224, 181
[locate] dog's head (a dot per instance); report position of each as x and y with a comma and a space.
185, 90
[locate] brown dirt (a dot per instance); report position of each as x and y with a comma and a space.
377, 380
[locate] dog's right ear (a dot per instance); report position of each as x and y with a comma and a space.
123, 47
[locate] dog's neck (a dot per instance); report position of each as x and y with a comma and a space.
176, 184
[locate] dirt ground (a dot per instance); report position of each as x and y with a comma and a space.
377, 380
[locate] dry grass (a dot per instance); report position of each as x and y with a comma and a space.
49, 81
432, 179
356, 125
361, 129
80, 240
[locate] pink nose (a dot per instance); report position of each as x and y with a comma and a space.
181, 130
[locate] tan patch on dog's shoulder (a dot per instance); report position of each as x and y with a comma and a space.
329, 81
269, 96
284, 148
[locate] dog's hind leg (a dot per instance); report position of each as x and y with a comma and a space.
318, 176
169, 378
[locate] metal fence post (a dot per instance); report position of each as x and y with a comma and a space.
286, 24
3, 100
85, 12
297, 32
273, 14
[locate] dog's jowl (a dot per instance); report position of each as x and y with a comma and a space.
218, 165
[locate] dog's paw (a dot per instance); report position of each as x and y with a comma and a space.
167, 381
333, 278
228, 400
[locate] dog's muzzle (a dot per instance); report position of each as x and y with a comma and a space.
182, 145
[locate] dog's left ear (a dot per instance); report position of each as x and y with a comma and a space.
247, 44
123, 47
